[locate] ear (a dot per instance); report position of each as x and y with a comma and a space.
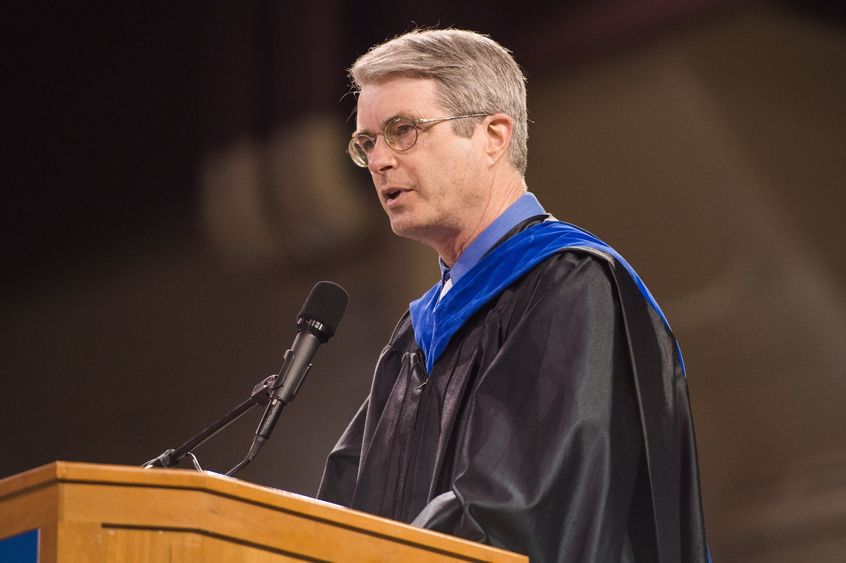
498, 129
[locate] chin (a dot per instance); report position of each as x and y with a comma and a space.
403, 227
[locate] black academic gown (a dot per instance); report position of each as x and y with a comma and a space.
555, 424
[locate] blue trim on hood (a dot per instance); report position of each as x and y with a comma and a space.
435, 322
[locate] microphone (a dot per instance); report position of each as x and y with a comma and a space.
317, 322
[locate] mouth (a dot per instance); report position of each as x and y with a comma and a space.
391, 195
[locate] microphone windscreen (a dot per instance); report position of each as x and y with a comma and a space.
326, 304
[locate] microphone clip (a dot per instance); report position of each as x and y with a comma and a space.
262, 390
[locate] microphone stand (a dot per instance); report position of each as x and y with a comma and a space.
259, 396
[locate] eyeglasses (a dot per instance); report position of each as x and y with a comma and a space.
400, 134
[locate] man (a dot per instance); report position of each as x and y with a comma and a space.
534, 399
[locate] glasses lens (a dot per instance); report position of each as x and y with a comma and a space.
401, 134
358, 148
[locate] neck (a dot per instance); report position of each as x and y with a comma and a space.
500, 198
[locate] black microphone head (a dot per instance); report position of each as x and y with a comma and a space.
323, 309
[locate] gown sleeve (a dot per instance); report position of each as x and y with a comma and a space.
551, 446
341, 471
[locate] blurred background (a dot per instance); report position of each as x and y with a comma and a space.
175, 182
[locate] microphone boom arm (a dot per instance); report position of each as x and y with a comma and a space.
259, 396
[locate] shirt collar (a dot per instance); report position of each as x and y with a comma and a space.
526, 207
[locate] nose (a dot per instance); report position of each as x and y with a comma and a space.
381, 158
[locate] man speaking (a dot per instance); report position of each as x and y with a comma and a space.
534, 399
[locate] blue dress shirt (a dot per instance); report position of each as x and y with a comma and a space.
524, 208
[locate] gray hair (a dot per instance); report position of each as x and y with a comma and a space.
475, 74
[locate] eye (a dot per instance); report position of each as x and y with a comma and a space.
365, 143
401, 133
402, 128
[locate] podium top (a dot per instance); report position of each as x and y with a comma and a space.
212, 505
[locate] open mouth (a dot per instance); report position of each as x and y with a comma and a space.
393, 194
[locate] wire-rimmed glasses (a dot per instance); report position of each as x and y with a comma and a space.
400, 134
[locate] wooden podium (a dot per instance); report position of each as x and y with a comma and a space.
106, 513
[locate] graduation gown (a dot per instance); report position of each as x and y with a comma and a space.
553, 422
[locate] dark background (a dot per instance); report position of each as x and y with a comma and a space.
175, 182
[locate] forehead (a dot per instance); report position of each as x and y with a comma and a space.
380, 101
